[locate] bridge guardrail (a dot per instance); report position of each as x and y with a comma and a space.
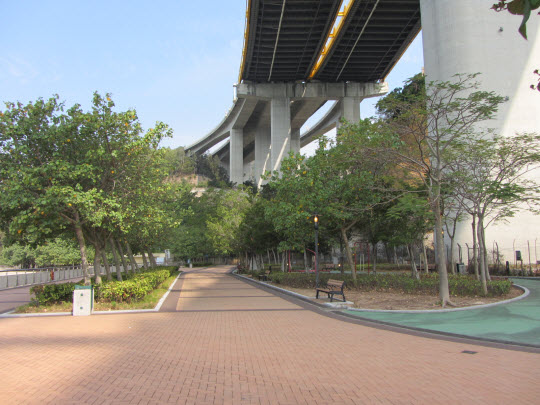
13, 278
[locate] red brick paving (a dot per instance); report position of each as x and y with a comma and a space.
261, 350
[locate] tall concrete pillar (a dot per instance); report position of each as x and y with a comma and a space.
295, 140
236, 159
280, 126
463, 36
350, 109
262, 154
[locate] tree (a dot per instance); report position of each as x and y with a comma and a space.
331, 184
491, 183
421, 140
224, 226
71, 170
412, 221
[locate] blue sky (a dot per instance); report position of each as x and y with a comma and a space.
173, 61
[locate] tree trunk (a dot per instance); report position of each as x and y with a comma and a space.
305, 260
145, 262
134, 265
485, 251
283, 262
474, 247
444, 292
452, 261
486, 261
97, 264
481, 256
374, 268
122, 257
341, 256
151, 257
349, 253
82, 249
116, 261
106, 264
426, 269
414, 272
396, 261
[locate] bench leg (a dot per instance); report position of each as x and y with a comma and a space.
331, 296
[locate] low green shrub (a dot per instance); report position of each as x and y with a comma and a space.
459, 285
53, 293
134, 287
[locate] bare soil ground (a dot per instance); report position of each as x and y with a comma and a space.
399, 300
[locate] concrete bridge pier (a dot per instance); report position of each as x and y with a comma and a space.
236, 156
350, 109
263, 153
280, 127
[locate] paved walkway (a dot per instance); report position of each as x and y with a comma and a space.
226, 341
13, 297
516, 322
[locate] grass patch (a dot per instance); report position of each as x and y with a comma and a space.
149, 301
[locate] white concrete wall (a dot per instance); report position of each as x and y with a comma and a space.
465, 36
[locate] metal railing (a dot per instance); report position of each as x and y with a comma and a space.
13, 278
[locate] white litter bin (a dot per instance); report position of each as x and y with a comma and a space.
83, 300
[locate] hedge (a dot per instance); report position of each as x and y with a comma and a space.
459, 285
53, 293
133, 288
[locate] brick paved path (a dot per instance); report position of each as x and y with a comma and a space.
230, 342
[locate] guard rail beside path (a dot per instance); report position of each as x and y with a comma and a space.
14, 278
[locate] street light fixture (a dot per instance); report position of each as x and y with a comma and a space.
316, 226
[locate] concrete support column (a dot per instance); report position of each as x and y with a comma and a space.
262, 154
236, 159
350, 109
295, 140
280, 126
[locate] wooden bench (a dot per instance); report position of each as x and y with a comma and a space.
332, 288
264, 276
431, 267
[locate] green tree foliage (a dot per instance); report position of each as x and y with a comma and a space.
224, 225
56, 252
421, 140
210, 167
329, 184
73, 169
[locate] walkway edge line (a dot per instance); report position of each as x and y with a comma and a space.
282, 290
162, 300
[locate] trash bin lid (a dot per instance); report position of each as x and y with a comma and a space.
83, 287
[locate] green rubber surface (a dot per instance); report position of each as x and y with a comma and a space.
516, 322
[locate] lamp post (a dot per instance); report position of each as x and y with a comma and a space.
316, 225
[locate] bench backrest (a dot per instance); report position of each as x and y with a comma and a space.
335, 284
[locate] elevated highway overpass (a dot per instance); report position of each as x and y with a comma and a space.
299, 54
